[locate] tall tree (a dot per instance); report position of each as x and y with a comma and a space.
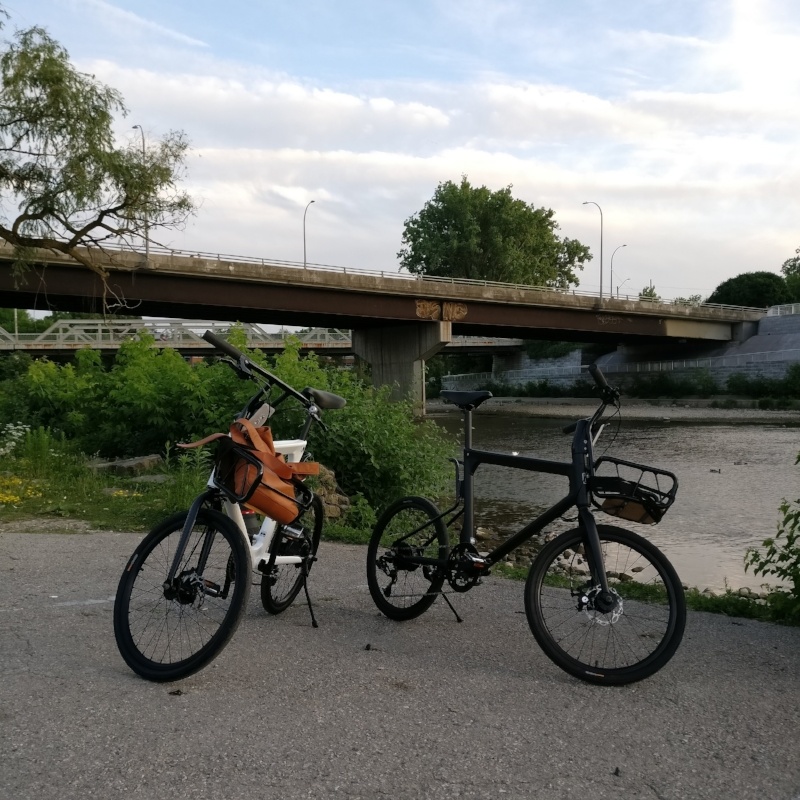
468, 232
791, 273
64, 184
754, 289
649, 293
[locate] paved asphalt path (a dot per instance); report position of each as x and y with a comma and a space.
366, 708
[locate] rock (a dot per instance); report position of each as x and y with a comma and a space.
129, 466
335, 501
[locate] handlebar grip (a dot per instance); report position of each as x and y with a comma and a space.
569, 428
598, 376
223, 345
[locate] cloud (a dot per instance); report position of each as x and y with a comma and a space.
127, 22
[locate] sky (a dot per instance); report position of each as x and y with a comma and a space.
680, 119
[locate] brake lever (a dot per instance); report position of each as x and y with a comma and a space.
239, 367
610, 395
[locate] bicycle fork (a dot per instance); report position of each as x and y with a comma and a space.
178, 586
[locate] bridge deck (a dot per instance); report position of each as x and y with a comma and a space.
279, 293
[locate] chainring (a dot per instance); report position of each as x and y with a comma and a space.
461, 572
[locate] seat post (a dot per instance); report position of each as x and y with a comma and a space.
468, 429
467, 526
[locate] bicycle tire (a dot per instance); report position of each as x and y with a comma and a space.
633, 640
165, 639
401, 589
281, 586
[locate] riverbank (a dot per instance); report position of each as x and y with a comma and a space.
690, 410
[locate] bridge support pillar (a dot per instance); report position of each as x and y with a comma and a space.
397, 356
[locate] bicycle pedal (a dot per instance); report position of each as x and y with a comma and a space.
476, 561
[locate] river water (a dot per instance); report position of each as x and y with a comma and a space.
732, 478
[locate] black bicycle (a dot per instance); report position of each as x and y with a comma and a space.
602, 602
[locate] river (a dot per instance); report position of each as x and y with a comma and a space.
732, 478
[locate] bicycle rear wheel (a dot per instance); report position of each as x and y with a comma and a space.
282, 584
631, 635
401, 587
167, 633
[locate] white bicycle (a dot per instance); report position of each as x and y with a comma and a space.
185, 588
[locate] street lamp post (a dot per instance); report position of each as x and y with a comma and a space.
304, 232
611, 279
621, 285
591, 202
146, 224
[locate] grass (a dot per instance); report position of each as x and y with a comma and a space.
776, 608
46, 477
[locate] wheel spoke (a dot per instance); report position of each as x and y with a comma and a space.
628, 642
411, 529
163, 636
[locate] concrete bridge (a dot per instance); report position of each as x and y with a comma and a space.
398, 321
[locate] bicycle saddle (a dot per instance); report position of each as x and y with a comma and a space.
466, 401
324, 400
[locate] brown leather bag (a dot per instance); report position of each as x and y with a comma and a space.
275, 494
247, 451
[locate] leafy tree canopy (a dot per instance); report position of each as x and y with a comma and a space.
691, 300
791, 273
469, 232
754, 289
64, 183
649, 293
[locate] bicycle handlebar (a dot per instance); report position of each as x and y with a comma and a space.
598, 376
222, 344
609, 395
243, 362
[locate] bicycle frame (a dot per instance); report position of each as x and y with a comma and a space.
578, 471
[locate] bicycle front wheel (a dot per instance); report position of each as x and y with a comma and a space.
168, 632
613, 640
401, 586
281, 585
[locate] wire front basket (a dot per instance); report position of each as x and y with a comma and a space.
237, 472
632, 491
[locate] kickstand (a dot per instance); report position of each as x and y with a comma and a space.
308, 597
447, 600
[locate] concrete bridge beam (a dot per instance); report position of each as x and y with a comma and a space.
397, 355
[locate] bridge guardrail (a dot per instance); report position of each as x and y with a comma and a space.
784, 310
72, 334
396, 275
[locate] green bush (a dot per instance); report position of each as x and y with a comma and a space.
786, 388
781, 559
150, 397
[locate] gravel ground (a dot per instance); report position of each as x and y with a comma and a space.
679, 410
365, 708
